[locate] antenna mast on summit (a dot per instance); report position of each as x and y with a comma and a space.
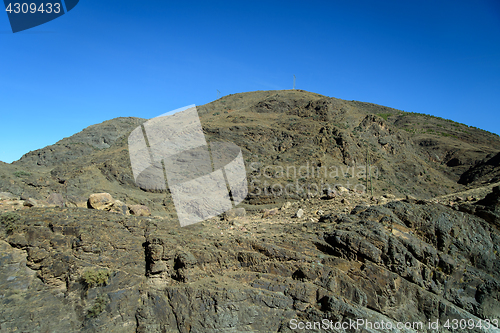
218, 93
294, 82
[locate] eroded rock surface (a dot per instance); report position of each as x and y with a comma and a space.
405, 261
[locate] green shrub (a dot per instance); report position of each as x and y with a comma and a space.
21, 173
216, 113
10, 221
384, 115
93, 277
98, 307
446, 134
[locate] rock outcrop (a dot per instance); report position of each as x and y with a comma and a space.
75, 269
139, 210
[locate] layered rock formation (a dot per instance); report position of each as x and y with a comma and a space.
405, 261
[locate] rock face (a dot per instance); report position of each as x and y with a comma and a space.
486, 170
82, 144
56, 200
43, 255
487, 208
6, 195
405, 261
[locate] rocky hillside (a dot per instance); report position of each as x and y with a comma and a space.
297, 140
406, 261
83, 144
420, 254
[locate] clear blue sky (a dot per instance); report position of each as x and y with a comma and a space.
106, 59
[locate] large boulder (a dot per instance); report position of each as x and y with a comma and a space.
118, 207
139, 210
100, 201
104, 201
30, 202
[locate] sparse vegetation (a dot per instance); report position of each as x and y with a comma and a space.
21, 173
95, 277
454, 123
447, 134
98, 307
384, 115
10, 221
